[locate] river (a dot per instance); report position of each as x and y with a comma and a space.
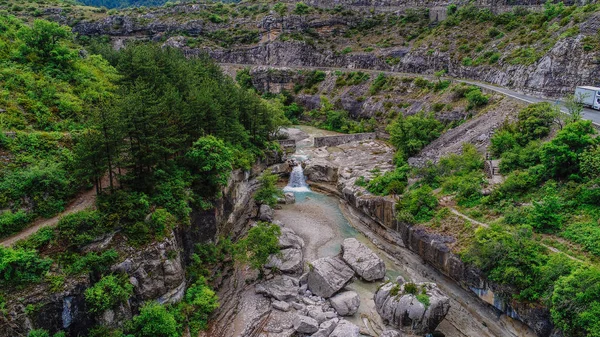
324, 221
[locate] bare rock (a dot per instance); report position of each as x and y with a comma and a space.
289, 239
320, 170
363, 260
265, 213
281, 305
287, 261
305, 324
282, 288
390, 333
345, 329
328, 275
326, 328
403, 310
345, 303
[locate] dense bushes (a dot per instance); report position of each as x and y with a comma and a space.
107, 293
417, 205
391, 182
410, 134
268, 192
262, 241
19, 267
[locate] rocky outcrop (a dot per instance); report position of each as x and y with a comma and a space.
364, 262
401, 308
305, 324
286, 261
345, 303
328, 275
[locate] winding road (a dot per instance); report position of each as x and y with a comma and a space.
588, 114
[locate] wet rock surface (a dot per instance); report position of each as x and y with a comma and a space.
401, 308
364, 262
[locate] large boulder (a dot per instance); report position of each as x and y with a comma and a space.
305, 324
282, 288
345, 303
363, 260
265, 213
345, 329
328, 275
290, 198
321, 170
400, 308
289, 239
287, 261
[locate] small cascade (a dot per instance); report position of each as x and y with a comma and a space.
297, 182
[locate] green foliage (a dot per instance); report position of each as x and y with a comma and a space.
301, 8
38, 333
162, 222
13, 222
155, 320
423, 298
417, 205
507, 257
534, 122
97, 263
476, 99
199, 302
39, 239
209, 161
546, 214
107, 293
586, 234
244, 79
576, 303
411, 288
410, 134
80, 228
560, 156
391, 182
268, 192
19, 266
262, 241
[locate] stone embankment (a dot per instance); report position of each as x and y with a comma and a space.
343, 139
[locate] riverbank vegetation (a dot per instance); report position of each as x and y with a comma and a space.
154, 134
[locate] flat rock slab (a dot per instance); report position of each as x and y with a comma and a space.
345, 329
363, 260
328, 275
282, 288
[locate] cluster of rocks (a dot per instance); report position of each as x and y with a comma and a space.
314, 303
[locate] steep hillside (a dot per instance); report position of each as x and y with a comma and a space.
546, 52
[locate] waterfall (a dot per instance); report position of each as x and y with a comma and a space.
297, 183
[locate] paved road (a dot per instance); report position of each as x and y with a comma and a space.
589, 114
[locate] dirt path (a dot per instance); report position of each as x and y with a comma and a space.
82, 202
550, 248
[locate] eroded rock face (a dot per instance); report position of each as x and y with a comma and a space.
404, 311
328, 275
289, 239
346, 303
364, 262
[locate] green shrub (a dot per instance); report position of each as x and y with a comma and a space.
576, 303
97, 263
13, 222
560, 156
162, 222
423, 298
268, 192
155, 320
21, 266
586, 234
199, 302
417, 205
107, 293
38, 333
410, 134
41, 238
411, 288
534, 122
546, 214
392, 182
262, 241
476, 99
80, 228
301, 9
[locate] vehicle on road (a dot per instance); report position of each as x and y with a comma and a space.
588, 96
